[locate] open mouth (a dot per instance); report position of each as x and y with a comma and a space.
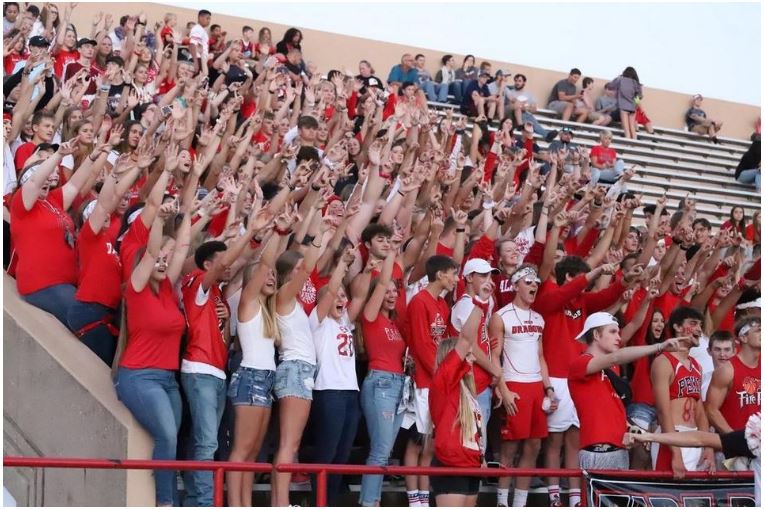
339, 309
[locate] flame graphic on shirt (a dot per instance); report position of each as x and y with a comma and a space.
751, 392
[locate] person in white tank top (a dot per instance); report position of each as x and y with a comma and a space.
251, 385
518, 330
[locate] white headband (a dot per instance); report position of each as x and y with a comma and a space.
28, 174
523, 273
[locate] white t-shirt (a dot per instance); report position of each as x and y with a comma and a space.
9, 170
525, 240
335, 353
520, 352
297, 339
701, 355
201, 39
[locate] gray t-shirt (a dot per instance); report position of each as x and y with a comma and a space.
523, 95
605, 104
564, 86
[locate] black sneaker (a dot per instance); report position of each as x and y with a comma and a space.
550, 136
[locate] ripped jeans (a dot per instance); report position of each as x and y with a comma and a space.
380, 395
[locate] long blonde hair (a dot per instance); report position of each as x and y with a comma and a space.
466, 417
267, 309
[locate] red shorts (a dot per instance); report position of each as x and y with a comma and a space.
640, 117
531, 421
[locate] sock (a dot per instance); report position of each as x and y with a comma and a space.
413, 497
574, 497
502, 495
519, 497
424, 498
553, 491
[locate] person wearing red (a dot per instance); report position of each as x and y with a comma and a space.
428, 317
203, 369
526, 385
42, 232
605, 166
64, 49
43, 129
734, 393
383, 387
99, 294
87, 49
676, 380
146, 381
601, 411
457, 415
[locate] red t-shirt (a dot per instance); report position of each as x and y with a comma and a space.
206, 342
45, 258
263, 139
743, 397
428, 326
10, 61
601, 413
155, 325
136, 237
100, 268
384, 344
603, 155
444, 403
63, 58
22, 155
94, 71
309, 293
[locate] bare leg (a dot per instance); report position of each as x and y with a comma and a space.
649, 128
581, 114
518, 112
293, 415
633, 125
625, 120
248, 420
571, 438
509, 448
452, 500
426, 457
528, 460
411, 458
553, 455
568, 111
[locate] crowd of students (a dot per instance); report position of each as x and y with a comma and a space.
229, 229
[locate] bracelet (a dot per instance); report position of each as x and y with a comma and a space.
548, 388
104, 88
291, 186
308, 239
400, 193
315, 187
497, 220
596, 204
281, 232
139, 23
676, 241
460, 230
683, 248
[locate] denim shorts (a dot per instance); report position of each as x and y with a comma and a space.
251, 387
295, 378
642, 415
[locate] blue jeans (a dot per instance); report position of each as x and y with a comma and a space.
152, 396
206, 395
381, 393
538, 129
607, 175
56, 300
751, 176
435, 91
335, 418
99, 339
455, 89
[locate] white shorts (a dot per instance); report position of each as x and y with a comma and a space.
420, 415
565, 416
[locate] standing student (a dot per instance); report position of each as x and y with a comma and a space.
428, 316
602, 418
457, 415
383, 386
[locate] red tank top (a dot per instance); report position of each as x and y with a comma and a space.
743, 398
687, 381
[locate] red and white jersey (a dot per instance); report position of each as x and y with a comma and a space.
686, 382
335, 353
520, 351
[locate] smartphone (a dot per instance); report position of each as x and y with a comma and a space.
166, 110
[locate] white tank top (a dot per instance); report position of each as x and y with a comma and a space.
335, 353
297, 340
520, 352
257, 350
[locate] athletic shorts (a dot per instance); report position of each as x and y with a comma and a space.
617, 459
661, 455
565, 416
558, 106
531, 421
465, 485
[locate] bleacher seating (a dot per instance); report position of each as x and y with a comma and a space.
673, 161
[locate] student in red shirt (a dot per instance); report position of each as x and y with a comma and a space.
428, 316
605, 166
43, 233
457, 414
64, 50
146, 381
99, 293
383, 386
603, 420
43, 129
203, 369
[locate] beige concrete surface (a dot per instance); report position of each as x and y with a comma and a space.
335, 51
58, 401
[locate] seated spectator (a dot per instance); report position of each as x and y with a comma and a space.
629, 92
641, 119
265, 46
749, 167
606, 167
524, 105
586, 103
437, 92
752, 233
564, 95
448, 76
404, 72
466, 73
697, 121
563, 142
606, 103
477, 102
367, 75
736, 222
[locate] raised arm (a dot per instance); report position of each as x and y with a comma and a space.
141, 274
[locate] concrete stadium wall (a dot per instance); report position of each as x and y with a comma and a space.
334, 51
58, 401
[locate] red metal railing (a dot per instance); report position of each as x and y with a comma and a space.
219, 469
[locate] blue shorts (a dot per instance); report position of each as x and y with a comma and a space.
295, 378
642, 415
251, 387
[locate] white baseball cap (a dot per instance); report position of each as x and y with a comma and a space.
478, 266
597, 320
